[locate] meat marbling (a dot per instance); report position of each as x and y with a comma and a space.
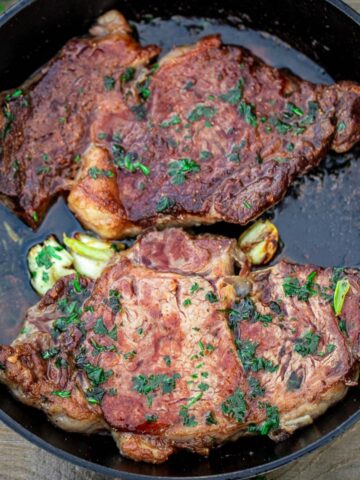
209, 133
172, 349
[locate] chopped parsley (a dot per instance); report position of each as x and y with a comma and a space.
195, 287
247, 353
147, 385
43, 258
188, 420
205, 155
167, 360
97, 375
101, 329
50, 353
95, 172
94, 395
164, 204
130, 355
272, 421
210, 419
256, 390
178, 170
187, 302
246, 110
174, 120
234, 95
109, 83
234, 406
62, 393
246, 204
211, 297
308, 344
151, 418
128, 75
128, 161
201, 112
293, 288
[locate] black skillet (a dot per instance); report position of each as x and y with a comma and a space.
319, 221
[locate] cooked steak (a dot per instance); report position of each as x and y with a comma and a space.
46, 124
210, 133
170, 349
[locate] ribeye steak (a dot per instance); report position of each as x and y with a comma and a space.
171, 349
209, 133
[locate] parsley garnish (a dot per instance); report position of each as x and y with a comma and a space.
292, 287
200, 112
247, 353
308, 344
234, 95
234, 406
95, 172
128, 75
164, 204
246, 110
109, 83
147, 385
50, 353
174, 120
272, 421
179, 169
62, 393
188, 420
211, 297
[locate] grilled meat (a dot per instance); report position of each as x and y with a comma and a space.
210, 133
170, 349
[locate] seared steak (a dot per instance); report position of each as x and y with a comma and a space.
210, 133
170, 349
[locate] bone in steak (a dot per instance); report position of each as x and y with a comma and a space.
171, 350
210, 133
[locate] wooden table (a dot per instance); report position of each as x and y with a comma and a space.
20, 460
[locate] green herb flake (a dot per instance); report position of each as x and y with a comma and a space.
151, 418
164, 204
174, 120
187, 302
188, 420
62, 393
179, 170
246, 204
256, 389
109, 83
210, 419
95, 172
234, 406
128, 75
308, 344
205, 155
50, 353
167, 360
211, 297
293, 288
201, 112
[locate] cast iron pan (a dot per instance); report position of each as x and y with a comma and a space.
319, 220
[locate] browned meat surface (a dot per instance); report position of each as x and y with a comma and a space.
170, 349
210, 133
46, 124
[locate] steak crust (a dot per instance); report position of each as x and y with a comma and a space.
170, 349
210, 133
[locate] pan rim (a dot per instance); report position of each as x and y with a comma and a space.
239, 474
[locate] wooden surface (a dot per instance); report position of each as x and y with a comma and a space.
20, 460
